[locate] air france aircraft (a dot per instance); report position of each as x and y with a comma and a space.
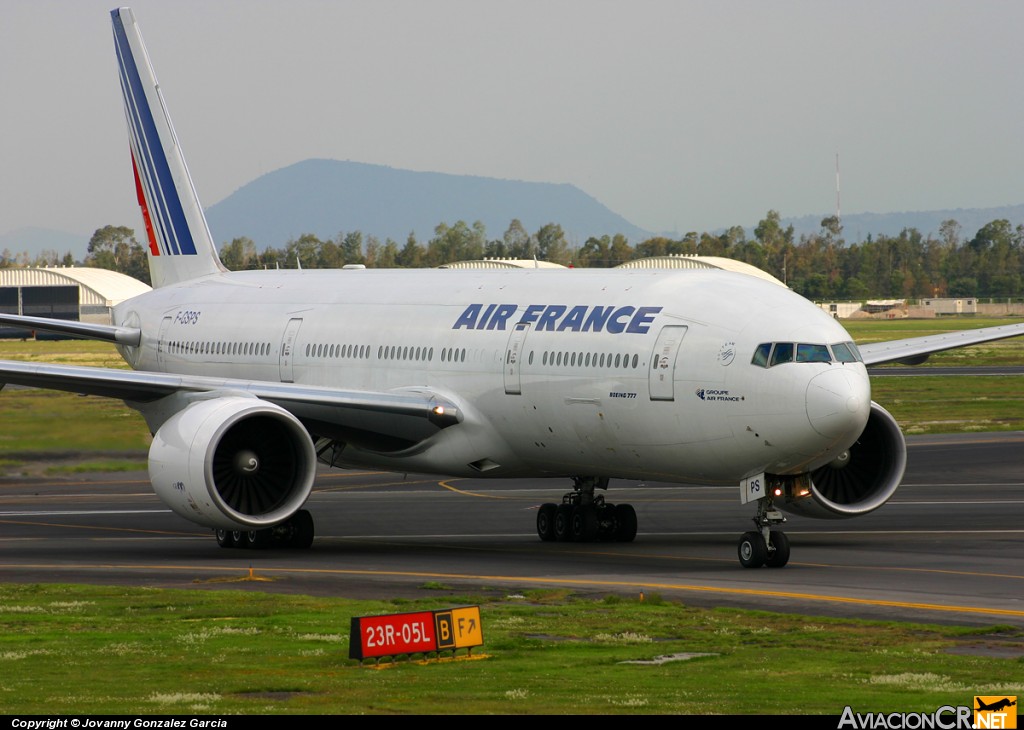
248, 379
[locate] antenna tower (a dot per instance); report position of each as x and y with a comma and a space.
839, 217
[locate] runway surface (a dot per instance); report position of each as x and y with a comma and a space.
946, 549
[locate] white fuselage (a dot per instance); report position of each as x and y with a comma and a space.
634, 374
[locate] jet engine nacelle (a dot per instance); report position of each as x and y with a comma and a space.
233, 463
858, 481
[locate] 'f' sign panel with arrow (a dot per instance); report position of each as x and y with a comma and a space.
422, 632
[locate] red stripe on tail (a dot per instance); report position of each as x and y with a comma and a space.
154, 249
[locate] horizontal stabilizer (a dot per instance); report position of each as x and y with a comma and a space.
131, 336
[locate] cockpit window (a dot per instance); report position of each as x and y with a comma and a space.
812, 353
783, 352
846, 352
770, 354
761, 355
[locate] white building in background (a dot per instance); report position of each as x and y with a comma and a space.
942, 306
679, 261
71, 292
841, 310
502, 264
675, 261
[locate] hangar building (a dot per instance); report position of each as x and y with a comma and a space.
673, 261
502, 264
70, 292
683, 261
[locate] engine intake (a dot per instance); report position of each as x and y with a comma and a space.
233, 463
857, 482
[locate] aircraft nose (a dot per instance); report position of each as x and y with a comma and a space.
838, 402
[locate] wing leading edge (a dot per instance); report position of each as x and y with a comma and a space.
915, 350
404, 416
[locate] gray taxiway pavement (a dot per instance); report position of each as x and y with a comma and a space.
947, 548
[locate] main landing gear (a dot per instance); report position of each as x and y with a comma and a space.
764, 546
296, 533
584, 517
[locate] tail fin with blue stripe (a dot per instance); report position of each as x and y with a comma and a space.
180, 244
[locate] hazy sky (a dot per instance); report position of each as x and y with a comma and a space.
677, 115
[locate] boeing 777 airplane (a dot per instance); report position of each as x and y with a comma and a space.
246, 379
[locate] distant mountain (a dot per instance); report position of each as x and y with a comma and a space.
326, 197
36, 240
857, 226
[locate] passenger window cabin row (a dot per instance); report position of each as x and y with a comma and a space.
334, 351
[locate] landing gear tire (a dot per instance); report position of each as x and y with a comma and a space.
563, 523
302, 530
225, 538
607, 523
625, 523
752, 551
259, 539
584, 523
546, 521
778, 557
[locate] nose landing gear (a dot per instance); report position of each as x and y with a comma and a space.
764, 546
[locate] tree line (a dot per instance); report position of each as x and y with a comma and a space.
821, 266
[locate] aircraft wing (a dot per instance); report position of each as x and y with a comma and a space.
915, 350
395, 418
119, 335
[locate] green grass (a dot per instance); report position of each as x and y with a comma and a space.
952, 404
949, 404
40, 422
65, 352
102, 465
96, 650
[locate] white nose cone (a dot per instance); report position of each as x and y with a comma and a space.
838, 403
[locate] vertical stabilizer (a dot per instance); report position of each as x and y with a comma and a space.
180, 244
